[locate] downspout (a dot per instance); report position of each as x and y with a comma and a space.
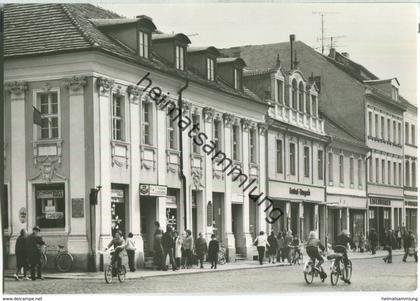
369, 157
181, 149
325, 192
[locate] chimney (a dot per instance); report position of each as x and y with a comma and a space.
292, 39
332, 53
278, 60
345, 54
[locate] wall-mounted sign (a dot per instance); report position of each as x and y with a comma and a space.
300, 191
22, 215
50, 194
77, 207
153, 190
411, 203
379, 202
209, 213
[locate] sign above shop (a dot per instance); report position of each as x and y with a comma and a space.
380, 202
411, 203
50, 194
153, 190
300, 191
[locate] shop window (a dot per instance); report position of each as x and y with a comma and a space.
292, 150
371, 214
50, 120
306, 161
117, 210
320, 165
50, 205
386, 214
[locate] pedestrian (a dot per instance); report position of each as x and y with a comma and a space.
373, 240
168, 245
409, 243
200, 249
280, 244
130, 247
399, 237
361, 243
178, 249
21, 256
34, 244
261, 243
213, 251
272, 250
388, 246
288, 238
157, 247
187, 244
183, 257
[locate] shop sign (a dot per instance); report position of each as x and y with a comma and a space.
77, 207
380, 202
22, 215
117, 193
54, 215
153, 190
50, 194
209, 213
411, 203
300, 191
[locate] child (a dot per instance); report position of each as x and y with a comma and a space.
21, 259
213, 251
130, 247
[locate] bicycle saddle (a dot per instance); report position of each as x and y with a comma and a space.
334, 256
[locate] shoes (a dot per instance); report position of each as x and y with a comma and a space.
26, 278
405, 260
347, 281
16, 277
201, 267
42, 278
211, 266
384, 259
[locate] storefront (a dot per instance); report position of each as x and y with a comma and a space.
118, 209
411, 215
50, 206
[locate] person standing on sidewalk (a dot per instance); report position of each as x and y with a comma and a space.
130, 247
178, 249
34, 243
168, 245
187, 244
288, 238
261, 242
213, 251
409, 243
280, 244
200, 249
373, 240
157, 247
21, 256
272, 250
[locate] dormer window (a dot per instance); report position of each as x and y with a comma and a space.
210, 69
144, 44
394, 93
237, 78
179, 57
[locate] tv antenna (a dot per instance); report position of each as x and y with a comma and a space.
323, 14
333, 40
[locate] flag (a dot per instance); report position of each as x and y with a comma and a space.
37, 117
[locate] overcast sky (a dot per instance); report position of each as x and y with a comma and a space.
382, 37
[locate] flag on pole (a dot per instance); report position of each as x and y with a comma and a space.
37, 117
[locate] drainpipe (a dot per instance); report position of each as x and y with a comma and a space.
325, 192
369, 157
181, 149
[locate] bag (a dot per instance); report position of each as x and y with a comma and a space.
256, 242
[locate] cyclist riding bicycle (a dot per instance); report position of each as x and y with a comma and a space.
340, 246
312, 246
118, 243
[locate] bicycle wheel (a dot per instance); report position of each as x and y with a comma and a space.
44, 260
309, 277
335, 274
63, 262
349, 270
108, 274
121, 273
221, 258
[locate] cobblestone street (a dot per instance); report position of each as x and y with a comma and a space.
368, 275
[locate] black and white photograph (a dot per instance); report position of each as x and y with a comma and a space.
215, 148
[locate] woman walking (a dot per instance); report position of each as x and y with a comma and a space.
178, 248
187, 244
261, 242
272, 250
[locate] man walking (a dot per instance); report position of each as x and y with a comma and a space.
373, 239
34, 243
409, 242
168, 245
157, 247
200, 249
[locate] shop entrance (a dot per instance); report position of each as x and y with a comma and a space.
237, 222
308, 219
280, 225
118, 209
218, 215
411, 220
295, 220
148, 217
357, 223
334, 224
380, 219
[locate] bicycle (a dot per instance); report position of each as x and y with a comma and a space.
310, 271
221, 255
111, 271
337, 269
63, 261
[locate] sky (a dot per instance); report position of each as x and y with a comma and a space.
382, 37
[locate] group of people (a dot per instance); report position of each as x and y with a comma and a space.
277, 248
28, 250
181, 249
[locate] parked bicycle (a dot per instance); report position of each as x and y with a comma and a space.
221, 256
115, 270
63, 261
310, 271
338, 269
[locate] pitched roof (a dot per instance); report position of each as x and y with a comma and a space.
339, 133
43, 29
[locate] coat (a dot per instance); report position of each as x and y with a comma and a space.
373, 238
200, 247
178, 247
187, 243
20, 251
33, 248
272, 241
167, 241
213, 250
157, 243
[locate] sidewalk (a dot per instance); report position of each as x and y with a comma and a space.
240, 265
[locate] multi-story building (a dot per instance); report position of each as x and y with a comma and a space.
98, 101
410, 166
296, 144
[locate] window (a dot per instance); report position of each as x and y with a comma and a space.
376, 125
386, 214
308, 105
377, 170
370, 170
371, 214
399, 133
341, 168
330, 168
320, 165
382, 127
172, 130
252, 146
388, 129
394, 131
301, 96
279, 156
389, 172
399, 173
407, 173
413, 175
407, 133
314, 106
370, 124
351, 171
179, 57
280, 88
237, 78
146, 123
143, 44
210, 69
383, 170
196, 121
50, 205
306, 161
216, 134
117, 117
294, 94
395, 173
292, 150
49, 115
235, 142
359, 173
413, 134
